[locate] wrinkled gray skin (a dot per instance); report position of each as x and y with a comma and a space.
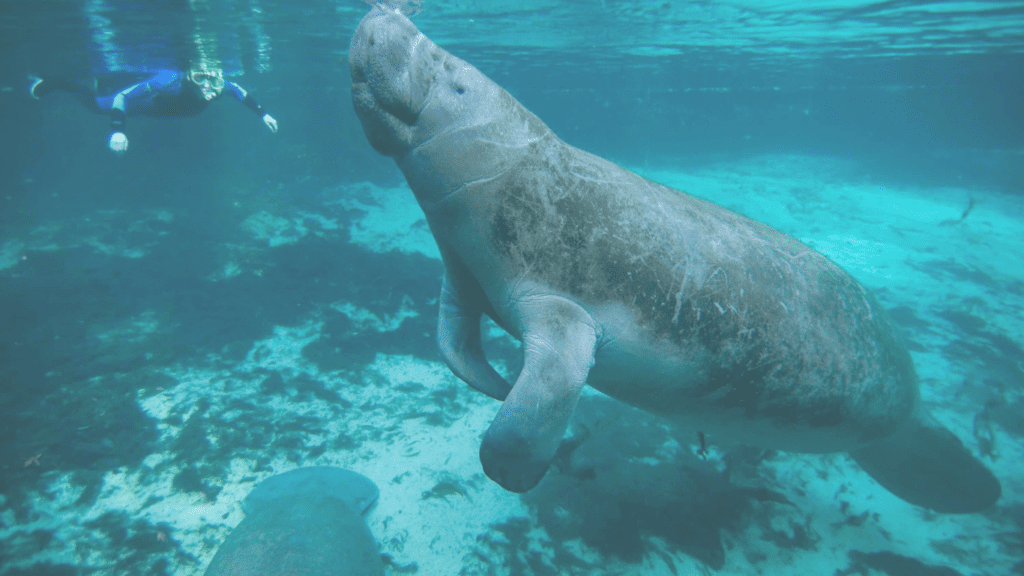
657, 298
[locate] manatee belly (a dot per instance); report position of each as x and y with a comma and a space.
763, 391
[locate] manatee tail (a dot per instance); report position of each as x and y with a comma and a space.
925, 464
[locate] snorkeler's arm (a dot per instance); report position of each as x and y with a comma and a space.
118, 118
138, 96
242, 96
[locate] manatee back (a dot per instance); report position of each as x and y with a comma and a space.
306, 522
354, 489
299, 536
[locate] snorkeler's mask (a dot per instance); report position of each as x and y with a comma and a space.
210, 82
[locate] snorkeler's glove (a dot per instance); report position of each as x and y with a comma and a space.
270, 122
119, 142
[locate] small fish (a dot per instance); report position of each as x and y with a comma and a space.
703, 450
445, 489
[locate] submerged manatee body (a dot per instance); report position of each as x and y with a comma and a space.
652, 296
304, 522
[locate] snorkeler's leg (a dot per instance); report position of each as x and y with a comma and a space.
42, 86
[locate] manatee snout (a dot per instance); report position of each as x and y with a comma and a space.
384, 93
381, 45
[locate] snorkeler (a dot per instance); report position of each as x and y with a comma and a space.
165, 93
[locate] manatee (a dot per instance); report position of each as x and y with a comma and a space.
307, 521
654, 297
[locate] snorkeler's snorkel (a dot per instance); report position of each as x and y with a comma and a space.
210, 82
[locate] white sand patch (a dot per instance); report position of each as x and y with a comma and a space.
283, 352
228, 271
135, 329
11, 252
322, 221
392, 219
276, 230
363, 319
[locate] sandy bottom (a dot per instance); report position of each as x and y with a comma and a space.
414, 429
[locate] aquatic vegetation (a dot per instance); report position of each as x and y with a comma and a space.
893, 565
442, 490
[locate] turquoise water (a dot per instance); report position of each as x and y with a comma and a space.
223, 303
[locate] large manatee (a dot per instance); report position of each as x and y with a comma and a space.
657, 298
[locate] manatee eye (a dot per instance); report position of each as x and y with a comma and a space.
460, 90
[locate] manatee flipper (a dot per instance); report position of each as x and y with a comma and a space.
307, 521
927, 465
559, 340
458, 338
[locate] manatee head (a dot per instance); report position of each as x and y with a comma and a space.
441, 119
358, 492
405, 88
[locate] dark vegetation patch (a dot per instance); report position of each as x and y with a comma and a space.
911, 324
1011, 543
48, 569
143, 547
867, 563
943, 269
1009, 415
509, 539
440, 408
399, 568
301, 388
1001, 369
189, 480
342, 345
908, 318
87, 428
994, 358
210, 436
967, 323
